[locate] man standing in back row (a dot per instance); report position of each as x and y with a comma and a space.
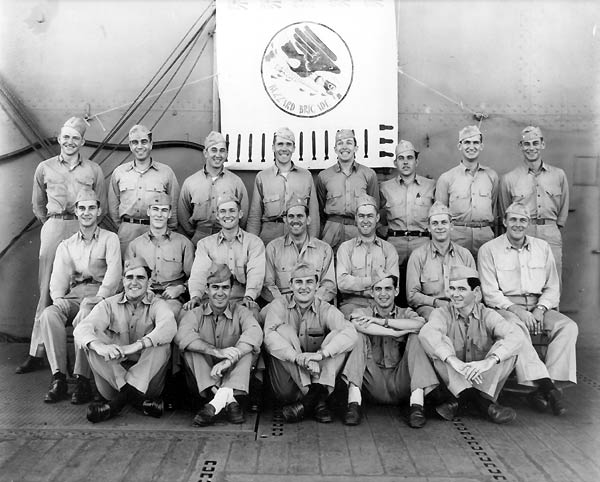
339, 187
542, 188
55, 186
134, 183
470, 190
197, 209
275, 186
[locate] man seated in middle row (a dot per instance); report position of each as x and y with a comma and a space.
242, 252
285, 252
429, 265
169, 255
308, 341
358, 259
389, 353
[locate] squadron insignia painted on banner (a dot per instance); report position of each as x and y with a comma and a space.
307, 69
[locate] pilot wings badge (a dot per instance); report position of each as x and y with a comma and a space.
307, 69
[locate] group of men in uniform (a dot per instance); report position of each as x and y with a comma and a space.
318, 307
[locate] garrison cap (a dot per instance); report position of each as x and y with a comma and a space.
86, 194
469, 131
285, 133
382, 274
366, 200
296, 200
218, 273
345, 134
518, 208
404, 146
160, 199
76, 123
530, 133
140, 129
228, 197
458, 272
439, 208
134, 263
304, 270
212, 139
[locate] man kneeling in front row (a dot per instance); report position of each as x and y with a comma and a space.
307, 340
472, 347
389, 354
127, 341
219, 341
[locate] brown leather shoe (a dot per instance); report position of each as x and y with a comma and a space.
557, 404
153, 408
294, 412
99, 412
31, 364
537, 400
416, 416
59, 390
205, 416
322, 414
234, 413
500, 414
447, 410
353, 414
83, 392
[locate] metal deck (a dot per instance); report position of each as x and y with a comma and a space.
41, 442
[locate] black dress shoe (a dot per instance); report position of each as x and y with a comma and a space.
322, 414
538, 401
59, 390
83, 392
294, 412
153, 408
99, 412
416, 416
205, 416
556, 402
31, 364
234, 413
447, 410
499, 414
353, 414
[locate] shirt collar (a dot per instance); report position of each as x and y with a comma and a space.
151, 166
338, 166
476, 313
207, 310
239, 236
543, 167
508, 246
61, 160
292, 305
478, 168
415, 179
94, 234
206, 173
151, 236
435, 251
277, 171
359, 241
310, 242
147, 299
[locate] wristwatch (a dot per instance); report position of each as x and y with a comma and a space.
493, 355
542, 307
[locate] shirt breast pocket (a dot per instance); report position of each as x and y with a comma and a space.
151, 191
272, 205
537, 272
314, 338
171, 267
334, 201
460, 202
507, 272
431, 280
422, 205
98, 265
84, 181
359, 265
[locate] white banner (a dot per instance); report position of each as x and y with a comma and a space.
313, 66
